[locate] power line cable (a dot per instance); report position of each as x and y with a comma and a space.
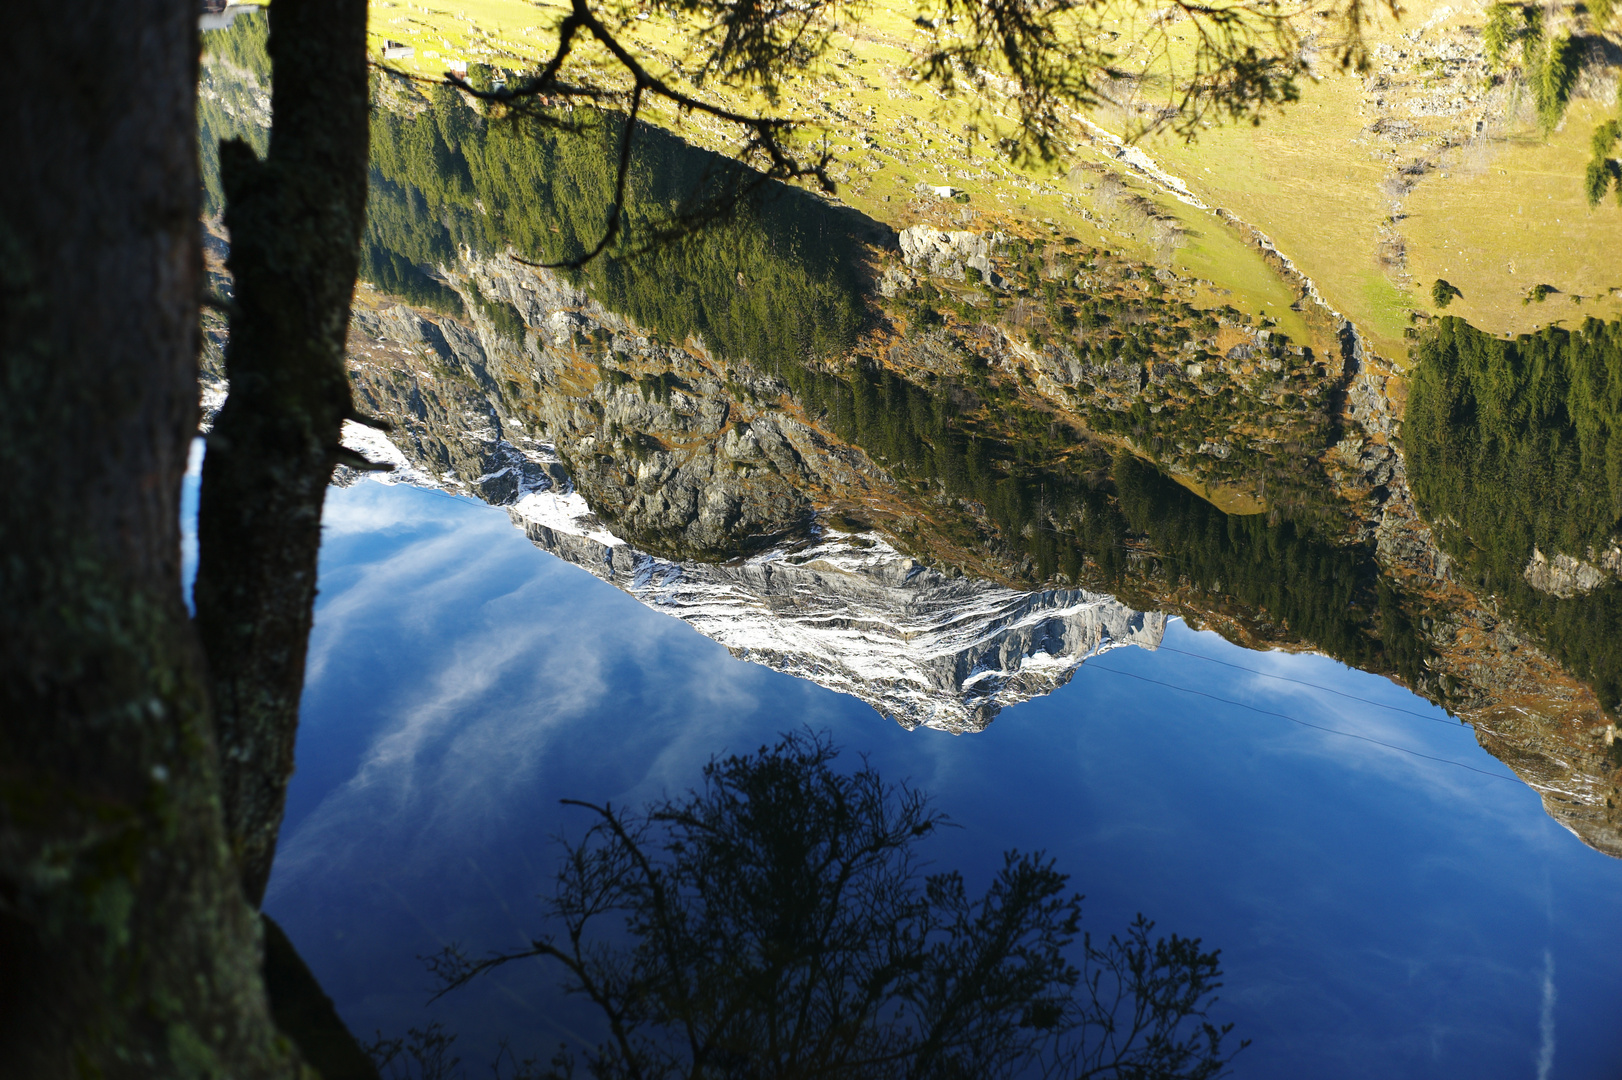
1315, 686
1303, 723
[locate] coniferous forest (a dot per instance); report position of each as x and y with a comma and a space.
770, 281
1516, 445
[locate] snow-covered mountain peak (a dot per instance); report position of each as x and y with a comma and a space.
850, 612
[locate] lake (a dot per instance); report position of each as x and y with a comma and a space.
1140, 557
1378, 910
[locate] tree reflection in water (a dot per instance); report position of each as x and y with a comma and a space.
775, 922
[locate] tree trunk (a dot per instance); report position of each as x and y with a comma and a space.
295, 220
126, 947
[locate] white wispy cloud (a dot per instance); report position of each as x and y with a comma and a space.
459, 545
460, 735
477, 655
1546, 1021
1322, 691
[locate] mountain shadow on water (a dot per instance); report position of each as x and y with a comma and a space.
771, 276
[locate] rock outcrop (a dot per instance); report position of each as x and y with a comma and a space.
664, 448
950, 254
1565, 576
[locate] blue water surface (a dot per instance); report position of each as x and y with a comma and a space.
1379, 913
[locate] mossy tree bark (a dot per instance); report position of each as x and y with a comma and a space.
126, 947
295, 220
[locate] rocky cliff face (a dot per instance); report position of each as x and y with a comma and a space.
1565, 576
674, 449
842, 609
698, 486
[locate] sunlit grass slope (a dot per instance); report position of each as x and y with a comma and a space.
1496, 208
891, 135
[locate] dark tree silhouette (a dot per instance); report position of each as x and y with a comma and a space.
295, 219
126, 947
778, 924
1444, 293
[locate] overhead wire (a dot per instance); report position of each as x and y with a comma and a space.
1094, 664
1315, 686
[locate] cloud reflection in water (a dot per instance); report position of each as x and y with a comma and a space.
1379, 913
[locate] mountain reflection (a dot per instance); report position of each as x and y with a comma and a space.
838, 606
719, 500
851, 613
936, 469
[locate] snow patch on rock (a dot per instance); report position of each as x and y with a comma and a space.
850, 612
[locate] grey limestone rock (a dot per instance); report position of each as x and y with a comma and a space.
1562, 575
850, 613
948, 253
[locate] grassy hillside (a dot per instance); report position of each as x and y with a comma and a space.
1374, 186
1378, 186
892, 136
